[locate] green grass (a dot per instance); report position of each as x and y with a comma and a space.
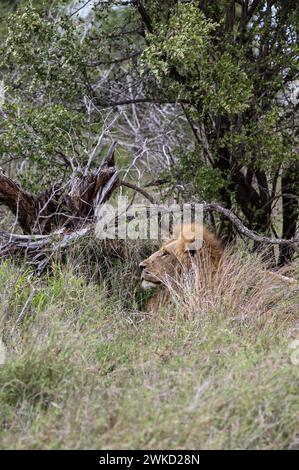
84, 370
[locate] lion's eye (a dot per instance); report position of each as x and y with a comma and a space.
165, 253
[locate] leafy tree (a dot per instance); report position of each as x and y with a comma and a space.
227, 64
228, 61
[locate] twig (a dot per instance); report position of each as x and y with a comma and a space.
80, 8
139, 190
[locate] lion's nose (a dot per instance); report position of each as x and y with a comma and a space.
142, 266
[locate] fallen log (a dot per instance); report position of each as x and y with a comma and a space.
54, 219
40, 249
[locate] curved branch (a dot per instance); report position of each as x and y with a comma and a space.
20, 203
214, 207
138, 190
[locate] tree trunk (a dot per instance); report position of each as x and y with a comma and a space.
290, 210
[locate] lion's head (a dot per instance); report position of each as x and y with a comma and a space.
182, 251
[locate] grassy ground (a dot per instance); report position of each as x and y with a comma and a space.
85, 368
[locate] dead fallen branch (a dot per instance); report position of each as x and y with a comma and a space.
40, 249
58, 217
138, 190
71, 205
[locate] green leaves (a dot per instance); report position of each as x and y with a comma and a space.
183, 42
47, 56
212, 78
197, 176
39, 135
226, 88
44, 66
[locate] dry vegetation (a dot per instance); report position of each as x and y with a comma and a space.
87, 368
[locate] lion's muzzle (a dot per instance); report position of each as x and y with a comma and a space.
148, 280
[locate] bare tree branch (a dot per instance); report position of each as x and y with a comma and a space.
213, 207
139, 190
80, 8
116, 61
69, 206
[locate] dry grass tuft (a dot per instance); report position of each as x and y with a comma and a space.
242, 288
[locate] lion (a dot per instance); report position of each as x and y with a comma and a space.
183, 254
185, 251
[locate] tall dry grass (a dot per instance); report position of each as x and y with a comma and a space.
241, 288
87, 368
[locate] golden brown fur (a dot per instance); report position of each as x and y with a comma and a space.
178, 255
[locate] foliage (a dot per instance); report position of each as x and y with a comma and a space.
218, 84
43, 117
198, 176
41, 134
228, 63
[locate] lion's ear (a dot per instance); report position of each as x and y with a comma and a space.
193, 247
188, 233
185, 232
